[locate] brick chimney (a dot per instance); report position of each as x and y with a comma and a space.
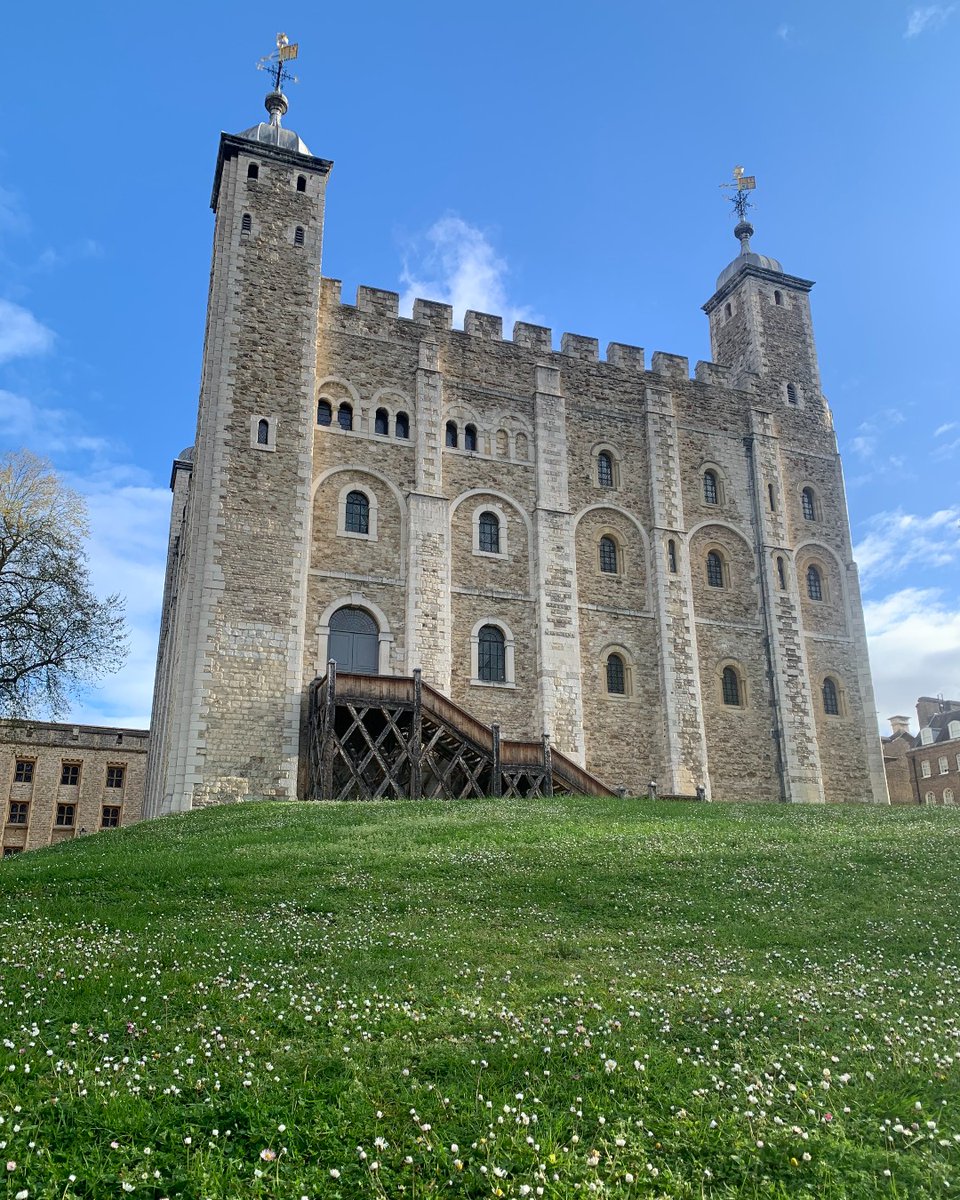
899, 725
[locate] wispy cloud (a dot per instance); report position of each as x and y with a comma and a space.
46, 430
942, 429
21, 334
914, 638
784, 32
456, 263
927, 16
897, 540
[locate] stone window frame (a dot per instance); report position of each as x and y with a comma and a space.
815, 508
62, 811
943, 764
299, 239
385, 412
822, 584
719, 477
731, 664
246, 225
25, 762
725, 574
371, 535
396, 404
930, 798
673, 557
925, 769
509, 655
385, 637
116, 787
958, 762
839, 695
71, 762
953, 730
113, 808
780, 564
615, 536
272, 421
22, 816
948, 797
615, 466
793, 393
503, 553
628, 674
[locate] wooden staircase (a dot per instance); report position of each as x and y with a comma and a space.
373, 736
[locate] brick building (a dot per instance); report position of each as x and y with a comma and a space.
655, 569
925, 769
63, 780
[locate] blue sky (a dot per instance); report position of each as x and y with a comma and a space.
557, 161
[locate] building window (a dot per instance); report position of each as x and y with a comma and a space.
616, 676
263, 432
807, 504
10, 851
66, 814
727, 310
470, 438
608, 556
773, 497
520, 448
24, 771
781, 573
301, 183
324, 412
814, 583
953, 729
381, 422
110, 817
925, 769
711, 490
930, 798
489, 531
672, 556
246, 223
253, 171
402, 427
730, 687
605, 469
777, 299
357, 513
714, 570
944, 766
948, 795
298, 236
115, 776
491, 655
831, 698
958, 762
450, 438
926, 736
19, 813
345, 416
70, 775
792, 393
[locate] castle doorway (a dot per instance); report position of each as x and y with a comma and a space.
354, 641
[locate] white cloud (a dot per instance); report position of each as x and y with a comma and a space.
896, 540
21, 333
914, 639
927, 16
942, 429
455, 263
784, 31
48, 431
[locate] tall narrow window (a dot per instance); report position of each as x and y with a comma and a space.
23, 772
470, 438
807, 504
814, 583
727, 310
777, 298
608, 556
451, 435
263, 432
491, 655
345, 416
730, 684
246, 223
792, 393
115, 776
381, 422
520, 447
253, 171
711, 491
672, 556
324, 412
605, 469
298, 236
773, 497
301, 183
616, 676
402, 427
357, 516
489, 533
831, 698
714, 570
781, 574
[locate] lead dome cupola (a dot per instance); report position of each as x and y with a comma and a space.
272, 133
747, 257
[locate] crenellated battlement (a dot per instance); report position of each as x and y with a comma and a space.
385, 305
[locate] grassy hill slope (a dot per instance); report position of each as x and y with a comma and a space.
557, 998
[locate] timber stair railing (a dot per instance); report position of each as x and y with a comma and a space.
374, 736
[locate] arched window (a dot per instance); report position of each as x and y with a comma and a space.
814, 583
246, 223
502, 443
357, 515
354, 641
345, 416
608, 556
489, 531
605, 469
324, 412
727, 310
616, 676
773, 497
491, 655
711, 490
253, 171
381, 422
672, 556
520, 447
808, 505
792, 393
948, 795
930, 798
781, 574
402, 427
831, 698
263, 432
451, 435
470, 438
953, 729
298, 236
714, 569
730, 687
777, 298
301, 183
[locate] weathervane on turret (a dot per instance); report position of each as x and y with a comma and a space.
276, 62
743, 184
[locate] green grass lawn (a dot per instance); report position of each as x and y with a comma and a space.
549, 998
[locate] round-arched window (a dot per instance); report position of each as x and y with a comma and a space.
357, 514
616, 676
491, 655
489, 533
